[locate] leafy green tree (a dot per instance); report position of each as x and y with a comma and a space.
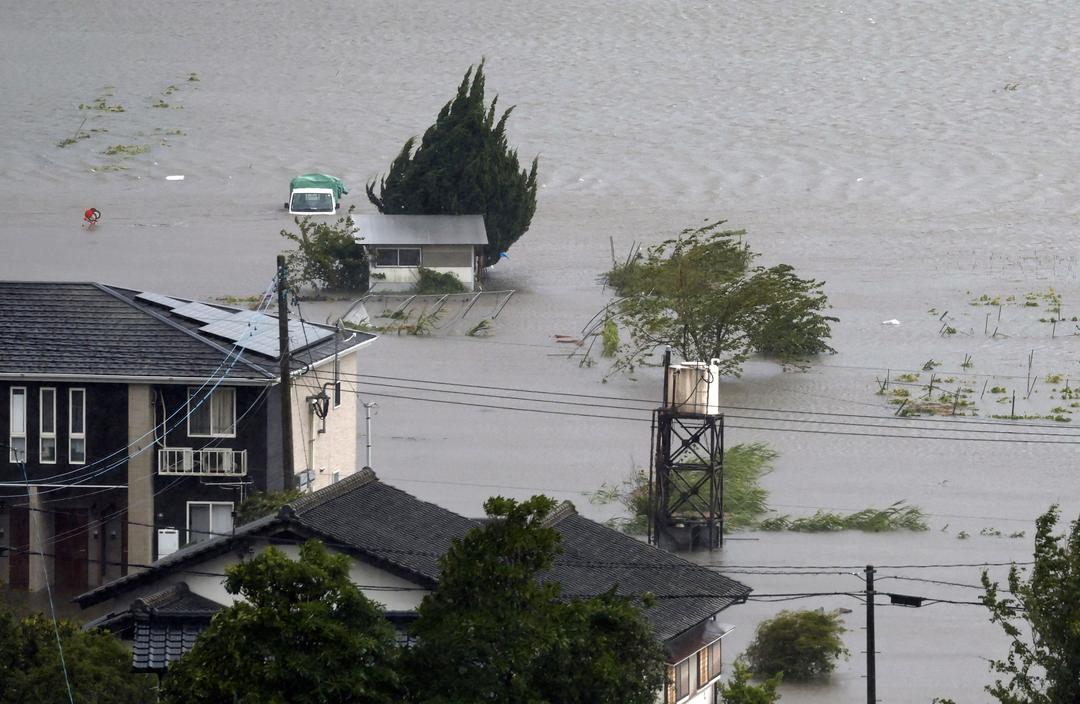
739, 689
1041, 614
803, 645
491, 631
327, 255
263, 504
605, 654
701, 295
463, 166
97, 664
304, 634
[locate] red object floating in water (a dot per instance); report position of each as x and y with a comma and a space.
91, 216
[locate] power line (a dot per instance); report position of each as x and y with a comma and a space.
652, 403
734, 425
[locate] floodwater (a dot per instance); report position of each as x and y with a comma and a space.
913, 155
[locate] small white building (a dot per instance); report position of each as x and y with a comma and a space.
399, 245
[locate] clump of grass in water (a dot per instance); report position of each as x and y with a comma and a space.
872, 520
126, 150
481, 329
609, 335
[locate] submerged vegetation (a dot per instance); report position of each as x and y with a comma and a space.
871, 520
432, 281
745, 501
702, 295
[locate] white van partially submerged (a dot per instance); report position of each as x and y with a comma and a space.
315, 194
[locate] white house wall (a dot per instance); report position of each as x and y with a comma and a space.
407, 276
336, 449
386, 591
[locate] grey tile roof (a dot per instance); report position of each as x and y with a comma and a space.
420, 229
596, 558
89, 330
162, 626
406, 535
384, 523
159, 643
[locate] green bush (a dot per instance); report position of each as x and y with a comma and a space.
327, 256
738, 689
803, 645
432, 281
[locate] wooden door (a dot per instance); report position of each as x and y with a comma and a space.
18, 557
70, 560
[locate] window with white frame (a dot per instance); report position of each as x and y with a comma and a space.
47, 439
208, 519
213, 415
397, 256
17, 430
77, 426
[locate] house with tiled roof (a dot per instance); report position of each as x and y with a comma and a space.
395, 541
132, 423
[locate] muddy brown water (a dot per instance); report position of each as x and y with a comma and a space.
913, 156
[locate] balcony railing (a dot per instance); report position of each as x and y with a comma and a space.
209, 461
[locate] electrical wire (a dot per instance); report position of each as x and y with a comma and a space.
651, 403
957, 438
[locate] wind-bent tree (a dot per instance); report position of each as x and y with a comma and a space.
701, 295
492, 631
463, 166
305, 634
1040, 612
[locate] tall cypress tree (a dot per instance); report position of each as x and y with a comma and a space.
463, 166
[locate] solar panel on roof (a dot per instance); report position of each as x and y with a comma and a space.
201, 312
160, 300
259, 333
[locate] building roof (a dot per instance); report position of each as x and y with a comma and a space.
407, 536
162, 626
420, 229
90, 331
389, 526
596, 559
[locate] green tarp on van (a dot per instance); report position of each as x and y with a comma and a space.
320, 181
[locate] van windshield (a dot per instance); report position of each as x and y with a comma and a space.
312, 203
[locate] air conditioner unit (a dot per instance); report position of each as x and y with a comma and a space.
168, 542
694, 388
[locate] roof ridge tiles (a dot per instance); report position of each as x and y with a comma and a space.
564, 510
309, 501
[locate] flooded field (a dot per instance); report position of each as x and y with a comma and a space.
915, 157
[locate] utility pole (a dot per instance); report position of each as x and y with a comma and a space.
286, 377
367, 418
871, 665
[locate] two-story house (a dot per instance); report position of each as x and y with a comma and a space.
395, 541
133, 423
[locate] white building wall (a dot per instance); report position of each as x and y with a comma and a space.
401, 276
404, 595
336, 449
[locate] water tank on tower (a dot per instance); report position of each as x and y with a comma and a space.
693, 388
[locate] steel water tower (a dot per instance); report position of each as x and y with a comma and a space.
686, 479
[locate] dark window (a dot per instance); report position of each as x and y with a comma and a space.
397, 257
716, 663
682, 679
